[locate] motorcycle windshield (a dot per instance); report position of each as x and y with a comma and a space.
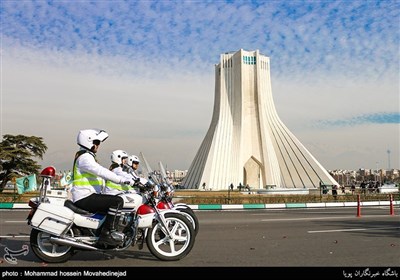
163, 174
147, 171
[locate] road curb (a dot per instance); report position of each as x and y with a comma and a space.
10, 205
289, 205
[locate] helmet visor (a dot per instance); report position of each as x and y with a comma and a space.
101, 135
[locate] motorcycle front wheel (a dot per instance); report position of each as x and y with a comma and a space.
47, 251
179, 245
191, 216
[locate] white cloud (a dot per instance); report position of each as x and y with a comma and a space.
67, 66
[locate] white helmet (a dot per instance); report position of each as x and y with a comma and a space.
133, 159
118, 155
87, 136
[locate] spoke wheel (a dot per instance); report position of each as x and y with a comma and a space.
175, 247
47, 251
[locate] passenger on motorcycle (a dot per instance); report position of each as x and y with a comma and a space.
88, 180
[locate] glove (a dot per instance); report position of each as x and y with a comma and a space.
133, 182
130, 183
143, 181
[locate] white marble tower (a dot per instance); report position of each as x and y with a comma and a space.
246, 142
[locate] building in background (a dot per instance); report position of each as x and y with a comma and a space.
246, 142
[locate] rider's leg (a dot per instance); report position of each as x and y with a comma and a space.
109, 233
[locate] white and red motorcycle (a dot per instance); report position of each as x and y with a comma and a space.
165, 200
60, 229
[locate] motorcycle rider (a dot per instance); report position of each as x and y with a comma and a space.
87, 184
133, 165
119, 159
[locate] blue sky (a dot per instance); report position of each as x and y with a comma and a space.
144, 72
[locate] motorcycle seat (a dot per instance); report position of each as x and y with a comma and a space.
69, 204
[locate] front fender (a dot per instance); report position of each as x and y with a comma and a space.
181, 206
163, 212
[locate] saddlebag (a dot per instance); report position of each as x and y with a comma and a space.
51, 218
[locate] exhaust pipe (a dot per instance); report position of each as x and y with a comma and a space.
67, 242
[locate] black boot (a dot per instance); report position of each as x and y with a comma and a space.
109, 235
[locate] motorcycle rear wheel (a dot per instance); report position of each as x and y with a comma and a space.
47, 251
165, 248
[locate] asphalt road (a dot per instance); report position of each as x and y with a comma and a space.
328, 237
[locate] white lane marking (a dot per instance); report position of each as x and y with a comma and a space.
347, 229
14, 236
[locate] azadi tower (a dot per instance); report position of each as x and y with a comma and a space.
246, 142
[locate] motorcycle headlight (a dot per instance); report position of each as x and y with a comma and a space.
156, 191
150, 183
169, 192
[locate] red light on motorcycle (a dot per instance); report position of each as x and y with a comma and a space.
49, 171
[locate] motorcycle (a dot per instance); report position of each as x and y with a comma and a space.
60, 229
167, 193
